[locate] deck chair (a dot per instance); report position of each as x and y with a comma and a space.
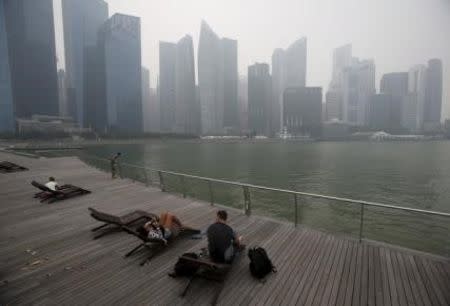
213, 271
8, 167
69, 191
155, 246
115, 223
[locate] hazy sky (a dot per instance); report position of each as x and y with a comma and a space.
397, 34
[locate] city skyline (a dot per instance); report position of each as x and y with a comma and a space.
404, 46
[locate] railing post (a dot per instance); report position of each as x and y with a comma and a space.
247, 201
211, 194
161, 181
183, 185
146, 177
296, 210
361, 222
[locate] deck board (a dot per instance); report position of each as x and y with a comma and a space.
49, 255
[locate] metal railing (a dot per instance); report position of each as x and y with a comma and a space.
247, 207
164, 180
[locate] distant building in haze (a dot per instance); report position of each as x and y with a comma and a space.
122, 46
414, 102
217, 84
6, 100
85, 70
62, 90
381, 111
32, 56
396, 86
358, 86
187, 111
259, 99
146, 100
243, 103
230, 84
167, 60
302, 108
433, 94
288, 70
342, 58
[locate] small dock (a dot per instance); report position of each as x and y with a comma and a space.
49, 257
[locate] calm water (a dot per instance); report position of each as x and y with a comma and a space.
412, 174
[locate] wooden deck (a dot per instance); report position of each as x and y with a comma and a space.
48, 255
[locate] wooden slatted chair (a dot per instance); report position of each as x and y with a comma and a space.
156, 246
115, 223
8, 167
67, 192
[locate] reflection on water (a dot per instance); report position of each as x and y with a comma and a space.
415, 174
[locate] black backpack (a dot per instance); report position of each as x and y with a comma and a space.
184, 267
260, 264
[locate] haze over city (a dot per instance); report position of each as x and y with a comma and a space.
396, 34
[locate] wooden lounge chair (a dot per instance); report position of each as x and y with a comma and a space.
8, 167
155, 246
117, 222
210, 270
68, 191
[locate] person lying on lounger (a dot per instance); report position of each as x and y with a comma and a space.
52, 184
167, 227
222, 240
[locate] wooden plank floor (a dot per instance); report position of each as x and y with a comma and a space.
48, 256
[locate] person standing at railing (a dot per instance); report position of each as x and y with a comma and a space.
114, 162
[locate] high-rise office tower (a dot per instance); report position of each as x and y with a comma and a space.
146, 100
6, 100
381, 112
230, 83
342, 58
433, 93
217, 84
396, 86
414, 102
243, 103
288, 70
82, 22
259, 98
167, 61
358, 86
62, 90
303, 110
122, 46
187, 112
32, 56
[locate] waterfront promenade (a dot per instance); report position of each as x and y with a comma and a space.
48, 255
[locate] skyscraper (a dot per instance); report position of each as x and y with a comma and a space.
62, 89
358, 83
414, 102
303, 110
167, 61
217, 84
82, 21
32, 57
396, 86
259, 98
288, 70
230, 85
146, 100
433, 93
122, 46
342, 58
187, 112
6, 101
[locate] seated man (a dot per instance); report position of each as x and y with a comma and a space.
222, 240
52, 184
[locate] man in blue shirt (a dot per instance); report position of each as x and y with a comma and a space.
222, 240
